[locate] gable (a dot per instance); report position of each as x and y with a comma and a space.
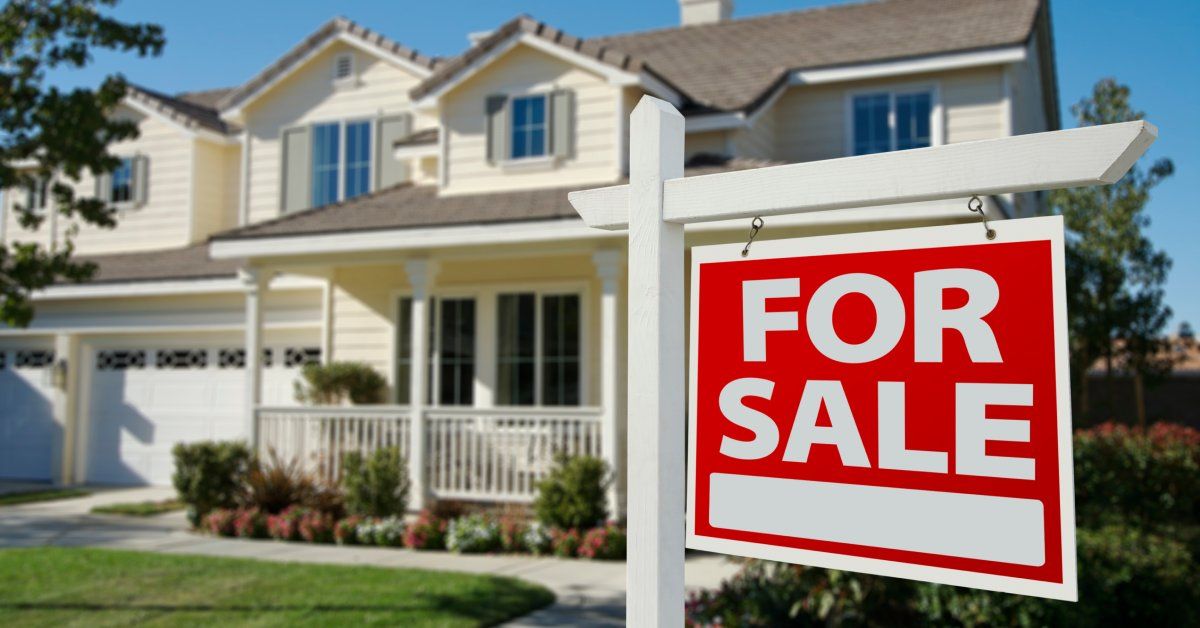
519, 69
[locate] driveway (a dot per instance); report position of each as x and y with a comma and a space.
589, 593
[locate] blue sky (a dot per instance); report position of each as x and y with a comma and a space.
1152, 46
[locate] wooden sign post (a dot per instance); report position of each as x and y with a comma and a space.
658, 202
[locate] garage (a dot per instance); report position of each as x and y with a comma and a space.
144, 398
28, 432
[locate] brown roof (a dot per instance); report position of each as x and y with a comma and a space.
188, 109
408, 206
332, 28
418, 138
190, 262
733, 65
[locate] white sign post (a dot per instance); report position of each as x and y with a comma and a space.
657, 203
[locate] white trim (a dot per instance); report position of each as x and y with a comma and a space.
165, 288
192, 132
415, 151
244, 184
145, 329
935, 63
733, 119
1048, 229
611, 74
353, 40
351, 78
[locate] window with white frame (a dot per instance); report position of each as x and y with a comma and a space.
538, 353
36, 196
529, 127
339, 174
891, 120
121, 183
451, 374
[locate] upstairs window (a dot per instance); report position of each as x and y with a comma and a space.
121, 183
338, 174
887, 121
36, 195
528, 127
358, 158
326, 150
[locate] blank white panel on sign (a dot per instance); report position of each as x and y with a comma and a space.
950, 524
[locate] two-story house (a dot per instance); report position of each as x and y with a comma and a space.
359, 201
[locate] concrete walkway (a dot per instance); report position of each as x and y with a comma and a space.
589, 593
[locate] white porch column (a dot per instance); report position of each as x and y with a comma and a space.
608, 269
255, 285
420, 277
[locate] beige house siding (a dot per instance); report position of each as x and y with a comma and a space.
309, 95
215, 207
758, 141
811, 120
523, 70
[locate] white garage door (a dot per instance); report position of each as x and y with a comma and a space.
27, 428
144, 400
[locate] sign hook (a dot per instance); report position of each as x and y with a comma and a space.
975, 204
755, 226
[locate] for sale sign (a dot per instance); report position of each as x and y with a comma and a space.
893, 402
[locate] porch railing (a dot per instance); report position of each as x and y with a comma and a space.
483, 454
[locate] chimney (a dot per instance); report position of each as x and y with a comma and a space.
693, 12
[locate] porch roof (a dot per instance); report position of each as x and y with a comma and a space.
409, 206
190, 262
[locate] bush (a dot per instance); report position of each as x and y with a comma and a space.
345, 532
209, 475
336, 382
536, 539
220, 522
316, 527
285, 526
275, 485
565, 543
250, 523
572, 495
428, 532
512, 534
389, 532
376, 486
607, 543
473, 534
1151, 477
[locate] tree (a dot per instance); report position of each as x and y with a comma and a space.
1114, 273
48, 134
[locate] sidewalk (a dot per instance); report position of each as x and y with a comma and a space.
589, 593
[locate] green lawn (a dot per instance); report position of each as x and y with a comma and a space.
90, 587
46, 495
140, 509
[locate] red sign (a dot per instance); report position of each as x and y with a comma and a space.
893, 402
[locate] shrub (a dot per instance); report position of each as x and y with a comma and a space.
345, 532
250, 523
220, 522
389, 532
276, 485
607, 543
572, 495
512, 534
285, 526
565, 543
428, 532
473, 534
336, 382
1151, 477
376, 486
209, 475
537, 539
316, 527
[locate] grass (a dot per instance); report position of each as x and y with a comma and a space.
91, 587
140, 509
44, 495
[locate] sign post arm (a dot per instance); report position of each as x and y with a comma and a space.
656, 377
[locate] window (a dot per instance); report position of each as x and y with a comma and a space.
528, 127
36, 195
338, 175
455, 356
326, 148
538, 357
358, 158
343, 68
887, 121
121, 183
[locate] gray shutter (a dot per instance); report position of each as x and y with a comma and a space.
390, 171
496, 110
141, 180
297, 168
562, 119
104, 187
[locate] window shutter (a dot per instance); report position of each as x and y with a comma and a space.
390, 171
297, 169
497, 128
141, 180
104, 187
562, 119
